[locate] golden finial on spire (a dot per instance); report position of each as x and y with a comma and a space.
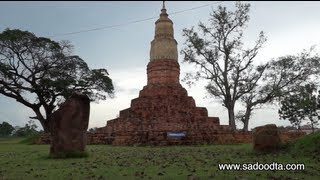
163, 10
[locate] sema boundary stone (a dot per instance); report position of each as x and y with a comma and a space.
69, 125
266, 138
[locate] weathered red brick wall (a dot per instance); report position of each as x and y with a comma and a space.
44, 139
161, 139
243, 136
97, 138
291, 135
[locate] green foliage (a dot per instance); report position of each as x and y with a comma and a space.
46, 70
29, 129
24, 132
31, 138
301, 105
281, 77
308, 145
6, 129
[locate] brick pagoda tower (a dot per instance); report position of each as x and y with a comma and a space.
164, 113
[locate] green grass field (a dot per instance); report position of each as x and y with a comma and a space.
22, 161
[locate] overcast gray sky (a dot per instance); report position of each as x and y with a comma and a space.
124, 50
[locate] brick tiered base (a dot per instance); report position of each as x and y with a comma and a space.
240, 137
164, 106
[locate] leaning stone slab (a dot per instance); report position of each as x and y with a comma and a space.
68, 127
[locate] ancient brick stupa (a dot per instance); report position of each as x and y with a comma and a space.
163, 113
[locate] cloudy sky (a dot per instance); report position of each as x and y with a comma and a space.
117, 35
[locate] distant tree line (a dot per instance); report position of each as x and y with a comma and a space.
29, 129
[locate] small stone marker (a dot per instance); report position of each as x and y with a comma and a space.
266, 138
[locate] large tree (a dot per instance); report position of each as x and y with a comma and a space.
281, 77
222, 59
301, 105
40, 73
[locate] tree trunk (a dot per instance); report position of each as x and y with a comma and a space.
246, 119
232, 123
245, 124
45, 126
44, 121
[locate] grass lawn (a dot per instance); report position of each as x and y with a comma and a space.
21, 161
